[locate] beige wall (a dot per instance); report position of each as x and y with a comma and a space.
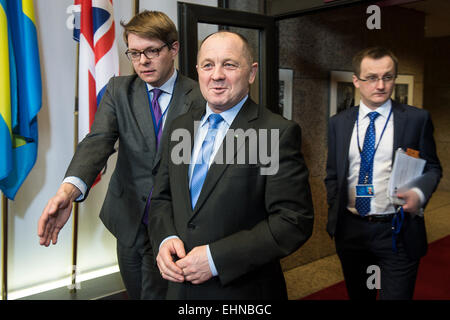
437, 99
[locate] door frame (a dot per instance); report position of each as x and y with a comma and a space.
189, 15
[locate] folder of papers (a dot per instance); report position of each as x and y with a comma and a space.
405, 172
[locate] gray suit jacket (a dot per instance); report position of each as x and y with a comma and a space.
124, 115
249, 220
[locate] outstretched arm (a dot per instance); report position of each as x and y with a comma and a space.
56, 213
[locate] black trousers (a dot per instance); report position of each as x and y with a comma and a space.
139, 271
361, 243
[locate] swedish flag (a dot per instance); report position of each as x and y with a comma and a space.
20, 93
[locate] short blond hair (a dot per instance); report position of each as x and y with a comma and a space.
151, 24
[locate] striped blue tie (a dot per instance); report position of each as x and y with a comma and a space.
362, 204
201, 165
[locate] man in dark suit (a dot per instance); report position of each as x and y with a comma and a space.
220, 221
134, 110
361, 146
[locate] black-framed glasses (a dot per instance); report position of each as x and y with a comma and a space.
149, 53
374, 79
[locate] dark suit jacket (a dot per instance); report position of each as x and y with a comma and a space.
412, 129
249, 220
124, 115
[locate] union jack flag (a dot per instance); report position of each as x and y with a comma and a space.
99, 61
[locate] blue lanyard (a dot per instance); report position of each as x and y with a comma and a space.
381, 136
397, 222
157, 125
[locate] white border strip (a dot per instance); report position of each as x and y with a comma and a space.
66, 282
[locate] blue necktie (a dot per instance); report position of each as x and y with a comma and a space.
362, 204
201, 165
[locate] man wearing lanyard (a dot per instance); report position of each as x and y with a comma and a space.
135, 110
361, 145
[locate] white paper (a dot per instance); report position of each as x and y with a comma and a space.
405, 172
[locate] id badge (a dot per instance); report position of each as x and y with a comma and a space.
365, 190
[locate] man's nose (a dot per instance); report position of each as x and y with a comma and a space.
380, 84
218, 73
143, 59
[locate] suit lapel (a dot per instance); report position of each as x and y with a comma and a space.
399, 125
248, 112
399, 129
194, 119
178, 105
347, 131
141, 107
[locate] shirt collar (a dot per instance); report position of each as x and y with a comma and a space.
228, 115
168, 86
383, 110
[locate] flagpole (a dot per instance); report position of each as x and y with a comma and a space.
136, 7
4, 247
75, 204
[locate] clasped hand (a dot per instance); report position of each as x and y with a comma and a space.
192, 267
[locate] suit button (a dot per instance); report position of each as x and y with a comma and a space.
191, 226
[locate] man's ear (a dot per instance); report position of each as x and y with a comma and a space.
355, 81
253, 70
175, 47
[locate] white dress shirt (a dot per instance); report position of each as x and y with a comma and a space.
382, 166
228, 118
166, 95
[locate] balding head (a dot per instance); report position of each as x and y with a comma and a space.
246, 48
225, 69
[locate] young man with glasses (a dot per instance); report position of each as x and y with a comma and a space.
136, 110
361, 146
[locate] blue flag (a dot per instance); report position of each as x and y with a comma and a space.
20, 93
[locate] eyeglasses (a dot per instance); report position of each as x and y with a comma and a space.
374, 79
149, 53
